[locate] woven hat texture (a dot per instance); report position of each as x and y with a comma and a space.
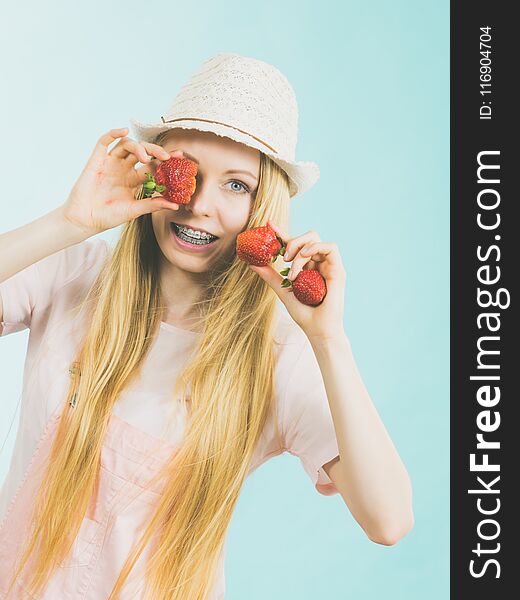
246, 100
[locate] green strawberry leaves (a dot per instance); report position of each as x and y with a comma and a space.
286, 282
150, 187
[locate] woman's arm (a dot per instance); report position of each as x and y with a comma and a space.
32, 242
369, 475
38, 239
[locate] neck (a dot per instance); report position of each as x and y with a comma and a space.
181, 290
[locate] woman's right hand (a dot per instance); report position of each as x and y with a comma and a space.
103, 197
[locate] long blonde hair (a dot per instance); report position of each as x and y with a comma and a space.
231, 392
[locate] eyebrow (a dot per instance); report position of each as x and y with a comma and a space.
226, 173
238, 171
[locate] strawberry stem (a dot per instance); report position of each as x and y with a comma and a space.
150, 186
286, 282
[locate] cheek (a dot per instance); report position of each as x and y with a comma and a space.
236, 221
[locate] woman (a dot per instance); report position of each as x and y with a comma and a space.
118, 500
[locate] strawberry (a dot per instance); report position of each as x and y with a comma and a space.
175, 177
259, 246
309, 287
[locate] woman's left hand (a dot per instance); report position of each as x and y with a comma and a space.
307, 251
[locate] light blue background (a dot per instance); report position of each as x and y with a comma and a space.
371, 80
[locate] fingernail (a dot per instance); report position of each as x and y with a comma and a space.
289, 275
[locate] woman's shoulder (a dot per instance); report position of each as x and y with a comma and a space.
30, 295
65, 265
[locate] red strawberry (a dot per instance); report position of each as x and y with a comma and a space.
309, 287
259, 246
175, 177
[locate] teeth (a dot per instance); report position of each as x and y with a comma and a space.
192, 235
196, 234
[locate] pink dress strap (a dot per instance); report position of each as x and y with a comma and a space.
116, 517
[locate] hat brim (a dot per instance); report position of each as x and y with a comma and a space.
302, 175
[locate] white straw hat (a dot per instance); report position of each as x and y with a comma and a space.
246, 100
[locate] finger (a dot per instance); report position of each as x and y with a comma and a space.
322, 250
100, 149
274, 279
150, 205
164, 202
311, 265
172, 153
129, 149
318, 251
281, 232
150, 151
294, 245
314, 254
151, 165
176, 153
169, 204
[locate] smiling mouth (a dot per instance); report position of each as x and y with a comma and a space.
197, 238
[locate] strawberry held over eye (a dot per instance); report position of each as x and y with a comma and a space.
309, 287
259, 246
175, 177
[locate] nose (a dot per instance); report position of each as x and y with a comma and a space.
201, 202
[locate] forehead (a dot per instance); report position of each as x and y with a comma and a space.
208, 146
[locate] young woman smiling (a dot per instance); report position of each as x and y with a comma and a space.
161, 373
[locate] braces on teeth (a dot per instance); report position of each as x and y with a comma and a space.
194, 234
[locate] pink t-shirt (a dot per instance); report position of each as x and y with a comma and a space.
40, 298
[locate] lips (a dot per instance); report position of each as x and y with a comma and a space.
194, 228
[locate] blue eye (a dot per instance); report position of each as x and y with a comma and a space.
245, 189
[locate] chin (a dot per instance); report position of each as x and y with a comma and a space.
195, 264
